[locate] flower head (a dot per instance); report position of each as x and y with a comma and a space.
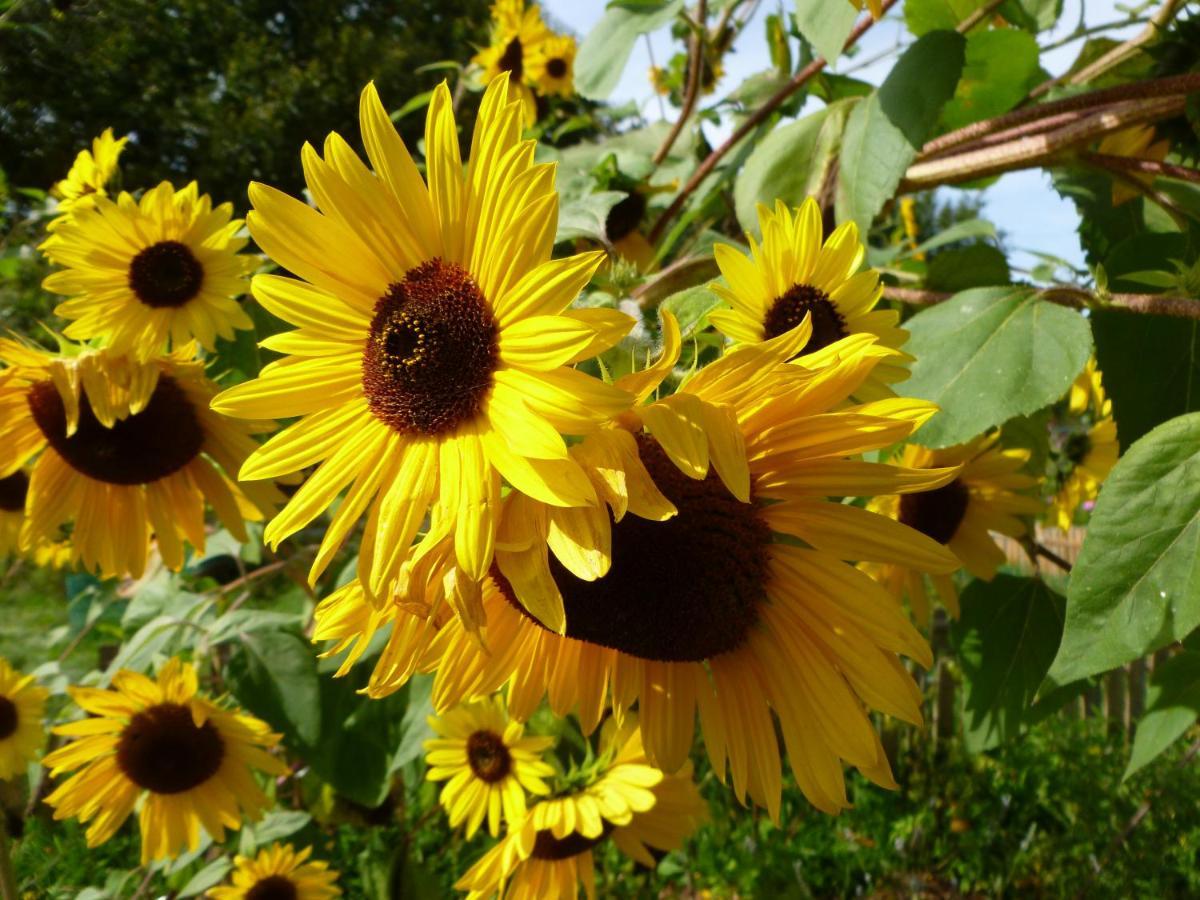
21, 733
90, 173
279, 872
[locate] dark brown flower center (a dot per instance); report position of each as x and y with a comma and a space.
273, 887
9, 718
13, 490
547, 846
433, 347
489, 758
682, 590
513, 59
1077, 447
624, 218
156, 442
936, 514
556, 67
788, 311
166, 274
163, 751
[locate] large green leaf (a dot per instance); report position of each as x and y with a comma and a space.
1136, 585
1172, 706
1000, 69
605, 50
989, 354
886, 129
825, 25
1006, 638
923, 16
961, 268
274, 675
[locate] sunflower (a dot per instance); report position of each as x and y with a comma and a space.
984, 497
13, 490
189, 760
279, 873
21, 732
1137, 143
549, 856
140, 273
719, 582
552, 66
623, 230
487, 763
434, 344
89, 174
517, 34
791, 275
126, 449
1086, 445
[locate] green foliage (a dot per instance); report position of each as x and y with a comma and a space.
606, 49
1000, 68
825, 25
1172, 707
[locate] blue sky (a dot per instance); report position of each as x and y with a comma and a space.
1022, 204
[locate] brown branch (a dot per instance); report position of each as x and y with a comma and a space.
692, 91
755, 119
678, 276
1046, 553
1146, 166
1076, 298
1177, 213
978, 16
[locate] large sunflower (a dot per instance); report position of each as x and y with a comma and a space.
628, 801
279, 872
126, 449
189, 761
434, 341
142, 273
1086, 447
21, 732
984, 497
89, 174
726, 592
487, 765
791, 275
517, 34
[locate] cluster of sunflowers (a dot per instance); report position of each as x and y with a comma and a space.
729, 544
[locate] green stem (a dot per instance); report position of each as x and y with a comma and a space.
8, 880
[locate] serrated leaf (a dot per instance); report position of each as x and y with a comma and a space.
825, 25
1172, 707
989, 354
999, 70
1136, 585
605, 51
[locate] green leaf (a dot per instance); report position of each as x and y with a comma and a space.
825, 25
1032, 15
210, 876
959, 231
960, 268
999, 71
605, 51
274, 675
1172, 707
1005, 638
923, 16
274, 826
1136, 585
989, 354
585, 217
886, 129
691, 307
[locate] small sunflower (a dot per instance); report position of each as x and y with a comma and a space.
123, 449
549, 856
719, 584
552, 66
13, 490
279, 872
791, 275
189, 761
434, 346
1086, 445
142, 273
517, 33
985, 496
487, 763
21, 731
89, 174
1137, 143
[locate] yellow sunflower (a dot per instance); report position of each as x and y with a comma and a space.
549, 856
142, 273
517, 33
487, 765
124, 449
21, 731
791, 275
1137, 143
89, 174
434, 345
1087, 447
719, 584
13, 490
279, 872
189, 761
984, 497
552, 66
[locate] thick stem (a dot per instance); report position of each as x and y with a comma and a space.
978, 16
1147, 166
1076, 298
692, 90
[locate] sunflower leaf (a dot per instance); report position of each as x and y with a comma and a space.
1172, 706
605, 50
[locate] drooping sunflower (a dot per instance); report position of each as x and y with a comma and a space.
487, 763
434, 341
517, 33
279, 872
549, 856
1136, 143
552, 66
791, 275
140, 274
719, 583
89, 174
1086, 447
123, 450
984, 497
187, 760
21, 732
